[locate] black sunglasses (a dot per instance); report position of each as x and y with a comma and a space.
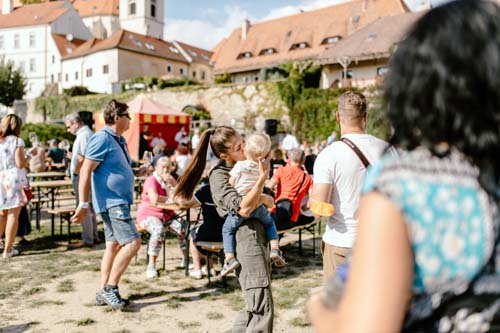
124, 115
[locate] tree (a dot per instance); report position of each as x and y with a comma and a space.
12, 83
299, 75
29, 2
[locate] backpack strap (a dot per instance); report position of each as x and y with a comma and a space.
300, 186
356, 150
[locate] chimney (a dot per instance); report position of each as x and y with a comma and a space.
7, 6
244, 29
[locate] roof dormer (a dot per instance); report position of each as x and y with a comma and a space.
269, 50
331, 40
244, 55
301, 45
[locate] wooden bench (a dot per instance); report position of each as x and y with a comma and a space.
213, 249
65, 214
217, 248
310, 227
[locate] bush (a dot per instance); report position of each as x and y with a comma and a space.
197, 112
57, 107
77, 91
46, 132
223, 78
162, 84
314, 115
148, 82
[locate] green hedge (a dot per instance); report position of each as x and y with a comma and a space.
46, 132
152, 81
57, 107
314, 115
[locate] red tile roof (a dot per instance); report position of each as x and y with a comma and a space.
197, 54
64, 46
131, 41
310, 27
36, 14
97, 7
376, 40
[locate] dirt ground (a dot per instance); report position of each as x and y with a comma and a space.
51, 289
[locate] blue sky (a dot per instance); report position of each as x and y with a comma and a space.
204, 23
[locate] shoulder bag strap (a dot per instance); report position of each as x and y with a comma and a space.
121, 146
356, 150
300, 186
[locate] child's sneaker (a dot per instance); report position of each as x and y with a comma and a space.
229, 266
277, 258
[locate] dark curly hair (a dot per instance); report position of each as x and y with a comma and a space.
113, 109
444, 85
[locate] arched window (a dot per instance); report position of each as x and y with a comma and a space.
132, 8
153, 8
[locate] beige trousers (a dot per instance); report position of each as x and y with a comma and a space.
333, 256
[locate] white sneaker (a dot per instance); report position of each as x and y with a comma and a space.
204, 271
13, 252
196, 274
151, 272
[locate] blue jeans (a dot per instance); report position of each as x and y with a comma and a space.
233, 222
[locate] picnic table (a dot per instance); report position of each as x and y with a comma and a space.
51, 186
180, 213
47, 174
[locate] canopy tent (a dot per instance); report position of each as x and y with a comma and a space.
159, 117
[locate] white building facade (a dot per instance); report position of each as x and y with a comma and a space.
32, 48
144, 17
94, 43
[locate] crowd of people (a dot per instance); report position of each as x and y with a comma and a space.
412, 231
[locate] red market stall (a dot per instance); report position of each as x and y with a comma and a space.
159, 117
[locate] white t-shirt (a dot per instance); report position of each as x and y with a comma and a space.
79, 146
245, 175
290, 142
338, 165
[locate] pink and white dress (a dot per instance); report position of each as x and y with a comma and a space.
12, 178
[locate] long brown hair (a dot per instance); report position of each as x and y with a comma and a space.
218, 138
10, 125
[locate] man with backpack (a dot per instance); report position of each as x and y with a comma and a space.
339, 172
291, 184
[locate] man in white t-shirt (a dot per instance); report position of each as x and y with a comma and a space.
339, 175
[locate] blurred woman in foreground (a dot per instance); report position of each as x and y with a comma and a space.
12, 180
427, 258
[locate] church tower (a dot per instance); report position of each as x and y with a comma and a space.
144, 17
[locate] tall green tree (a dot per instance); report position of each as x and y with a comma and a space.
12, 83
29, 2
299, 75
